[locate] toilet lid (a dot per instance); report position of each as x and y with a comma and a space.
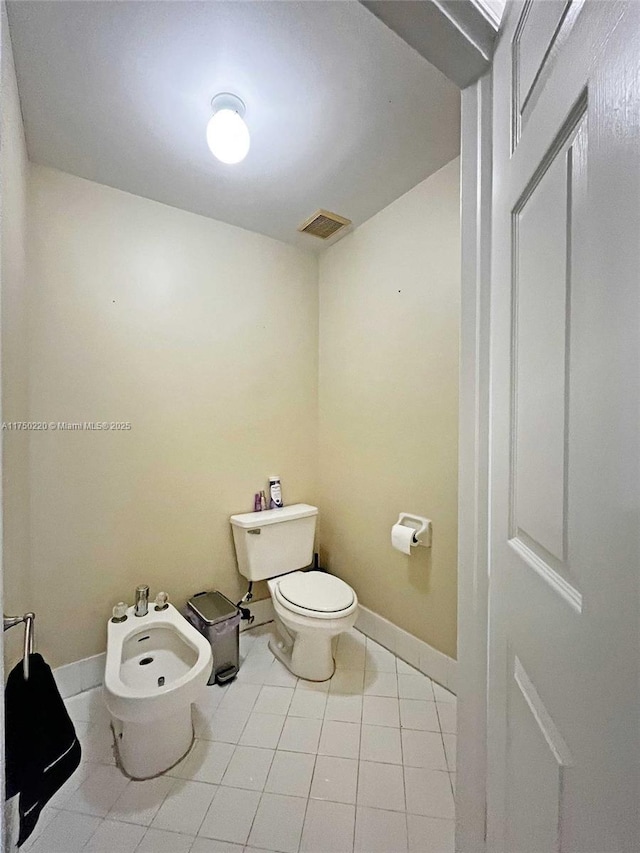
316, 591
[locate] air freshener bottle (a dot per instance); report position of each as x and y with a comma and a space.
263, 500
275, 493
257, 506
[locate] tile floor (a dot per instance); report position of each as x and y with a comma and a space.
363, 763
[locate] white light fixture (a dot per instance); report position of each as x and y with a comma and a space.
227, 134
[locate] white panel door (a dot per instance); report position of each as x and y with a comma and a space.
563, 707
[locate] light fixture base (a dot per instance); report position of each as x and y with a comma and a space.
227, 101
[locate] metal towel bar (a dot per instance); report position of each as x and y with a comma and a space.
29, 620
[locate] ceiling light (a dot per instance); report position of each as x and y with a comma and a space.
227, 134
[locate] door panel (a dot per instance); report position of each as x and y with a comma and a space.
536, 34
539, 294
542, 238
537, 761
563, 722
542, 28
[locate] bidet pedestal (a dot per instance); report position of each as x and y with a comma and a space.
147, 749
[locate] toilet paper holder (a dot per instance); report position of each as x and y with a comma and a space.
421, 527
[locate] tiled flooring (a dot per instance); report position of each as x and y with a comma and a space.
361, 764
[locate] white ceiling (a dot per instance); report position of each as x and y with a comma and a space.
343, 114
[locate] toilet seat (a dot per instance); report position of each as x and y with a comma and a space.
315, 594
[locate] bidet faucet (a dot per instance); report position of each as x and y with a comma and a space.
142, 600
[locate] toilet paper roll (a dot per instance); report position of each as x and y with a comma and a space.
402, 538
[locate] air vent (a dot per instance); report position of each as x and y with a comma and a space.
324, 224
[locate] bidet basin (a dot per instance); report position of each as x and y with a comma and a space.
159, 653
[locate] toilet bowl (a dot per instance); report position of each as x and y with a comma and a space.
311, 607
157, 666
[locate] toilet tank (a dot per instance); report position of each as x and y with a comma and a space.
275, 541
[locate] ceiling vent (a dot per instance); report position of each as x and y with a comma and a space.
324, 224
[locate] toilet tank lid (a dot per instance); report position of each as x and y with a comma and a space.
273, 516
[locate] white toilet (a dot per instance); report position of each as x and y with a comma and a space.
311, 607
157, 666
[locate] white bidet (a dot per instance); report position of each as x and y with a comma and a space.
157, 666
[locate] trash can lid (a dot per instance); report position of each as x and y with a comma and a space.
212, 607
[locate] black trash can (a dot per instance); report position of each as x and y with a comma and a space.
218, 619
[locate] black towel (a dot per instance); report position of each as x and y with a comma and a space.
41, 747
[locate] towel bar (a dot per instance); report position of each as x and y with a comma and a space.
28, 619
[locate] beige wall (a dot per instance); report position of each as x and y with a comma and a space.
13, 311
389, 331
202, 335
205, 338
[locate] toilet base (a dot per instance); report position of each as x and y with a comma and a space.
149, 749
307, 655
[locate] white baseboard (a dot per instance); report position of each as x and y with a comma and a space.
81, 675
415, 652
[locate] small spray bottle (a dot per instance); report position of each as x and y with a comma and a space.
275, 493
